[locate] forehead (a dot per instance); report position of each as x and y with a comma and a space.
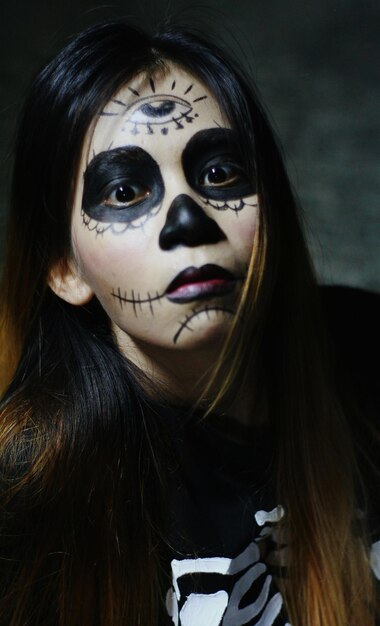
159, 113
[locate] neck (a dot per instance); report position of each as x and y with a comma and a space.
179, 374
181, 377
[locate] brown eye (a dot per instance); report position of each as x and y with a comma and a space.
220, 176
216, 176
127, 194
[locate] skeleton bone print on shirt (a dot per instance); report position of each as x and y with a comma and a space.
240, 590
232, 580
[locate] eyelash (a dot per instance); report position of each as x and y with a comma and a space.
228, 168
141, 193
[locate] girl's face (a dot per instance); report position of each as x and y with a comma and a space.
165, 218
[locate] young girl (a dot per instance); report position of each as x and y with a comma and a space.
173, 450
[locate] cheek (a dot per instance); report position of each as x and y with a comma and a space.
107, 260
245, 234
242, 229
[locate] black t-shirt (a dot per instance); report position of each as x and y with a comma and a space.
225, 546
222, 528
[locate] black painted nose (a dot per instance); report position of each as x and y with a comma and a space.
188, 225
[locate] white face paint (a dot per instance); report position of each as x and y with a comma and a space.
165, 218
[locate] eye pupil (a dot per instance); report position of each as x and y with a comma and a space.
124, 194
217, 175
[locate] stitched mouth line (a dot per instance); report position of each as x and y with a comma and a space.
136, 301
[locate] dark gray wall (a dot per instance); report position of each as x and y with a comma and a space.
317, 66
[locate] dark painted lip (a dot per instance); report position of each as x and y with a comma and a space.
201, 283
192, 275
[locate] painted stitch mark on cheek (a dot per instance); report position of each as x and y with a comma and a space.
206, 311
156, 112
123, 188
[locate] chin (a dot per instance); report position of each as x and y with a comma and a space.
199, 333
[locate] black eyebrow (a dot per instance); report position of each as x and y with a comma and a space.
123, 157
205, 143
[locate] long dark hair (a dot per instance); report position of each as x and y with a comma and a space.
82, 461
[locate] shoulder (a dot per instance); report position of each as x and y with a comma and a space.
353, 323
351, 311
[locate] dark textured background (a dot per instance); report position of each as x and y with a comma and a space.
316, 63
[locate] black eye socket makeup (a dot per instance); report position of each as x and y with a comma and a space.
122, 185
213, 167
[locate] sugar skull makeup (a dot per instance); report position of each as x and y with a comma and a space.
165, 216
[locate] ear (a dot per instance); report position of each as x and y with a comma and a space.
67, 283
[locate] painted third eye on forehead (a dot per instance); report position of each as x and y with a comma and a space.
156, 111
125, 184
